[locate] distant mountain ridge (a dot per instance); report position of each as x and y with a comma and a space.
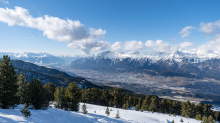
165, 64
43, 59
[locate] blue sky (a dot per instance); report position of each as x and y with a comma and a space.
131, 23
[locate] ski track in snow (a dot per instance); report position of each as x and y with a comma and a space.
53, 115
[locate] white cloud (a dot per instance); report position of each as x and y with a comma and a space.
133, 45
117, 45
211, 46
186, 31
210, 28
54, 28
86, 46
5, 2
162, 46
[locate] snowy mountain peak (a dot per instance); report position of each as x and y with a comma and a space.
156, 56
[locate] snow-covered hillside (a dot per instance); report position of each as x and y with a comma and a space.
53, 115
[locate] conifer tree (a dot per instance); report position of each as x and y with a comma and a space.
84, 111
172, 121
107, 111
205, 119
50, 87
154, 104
124, 106
216, 115
163, 105
211, 119
25, 111
73, 95
117, 97
59, 96
8, 84
37, 95
117, 115
128, 104
23, 93
137, 107
146, 103
142, 109
186, 109
104, 98
198, 117
110, 103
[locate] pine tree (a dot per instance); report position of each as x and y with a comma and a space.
142, 109
146, 103
117, 97
137, 107
23, 93
8, 84
107, 111
117, 115
84, 111
181, 120
37, 95
128, 104
154, 104
59, 96
205, 119
172, 121
124, 106
73, 95
216, 115
25, 111
211, 119
198, 117
50, 87
163, 105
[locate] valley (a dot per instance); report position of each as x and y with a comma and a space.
176, 88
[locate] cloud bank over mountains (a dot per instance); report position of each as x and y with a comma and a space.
78, 37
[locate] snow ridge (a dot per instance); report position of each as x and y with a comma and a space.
153, 57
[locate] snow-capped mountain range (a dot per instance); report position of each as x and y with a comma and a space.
156, 56
166, 64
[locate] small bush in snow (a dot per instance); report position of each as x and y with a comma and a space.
84, 111
117, 115
25, 111
181, 120
107, 111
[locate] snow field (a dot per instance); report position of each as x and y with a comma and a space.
53, 115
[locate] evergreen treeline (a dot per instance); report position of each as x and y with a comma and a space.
14, 90
114, 97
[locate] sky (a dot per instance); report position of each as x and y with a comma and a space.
75, 27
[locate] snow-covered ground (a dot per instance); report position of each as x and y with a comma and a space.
53, 115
